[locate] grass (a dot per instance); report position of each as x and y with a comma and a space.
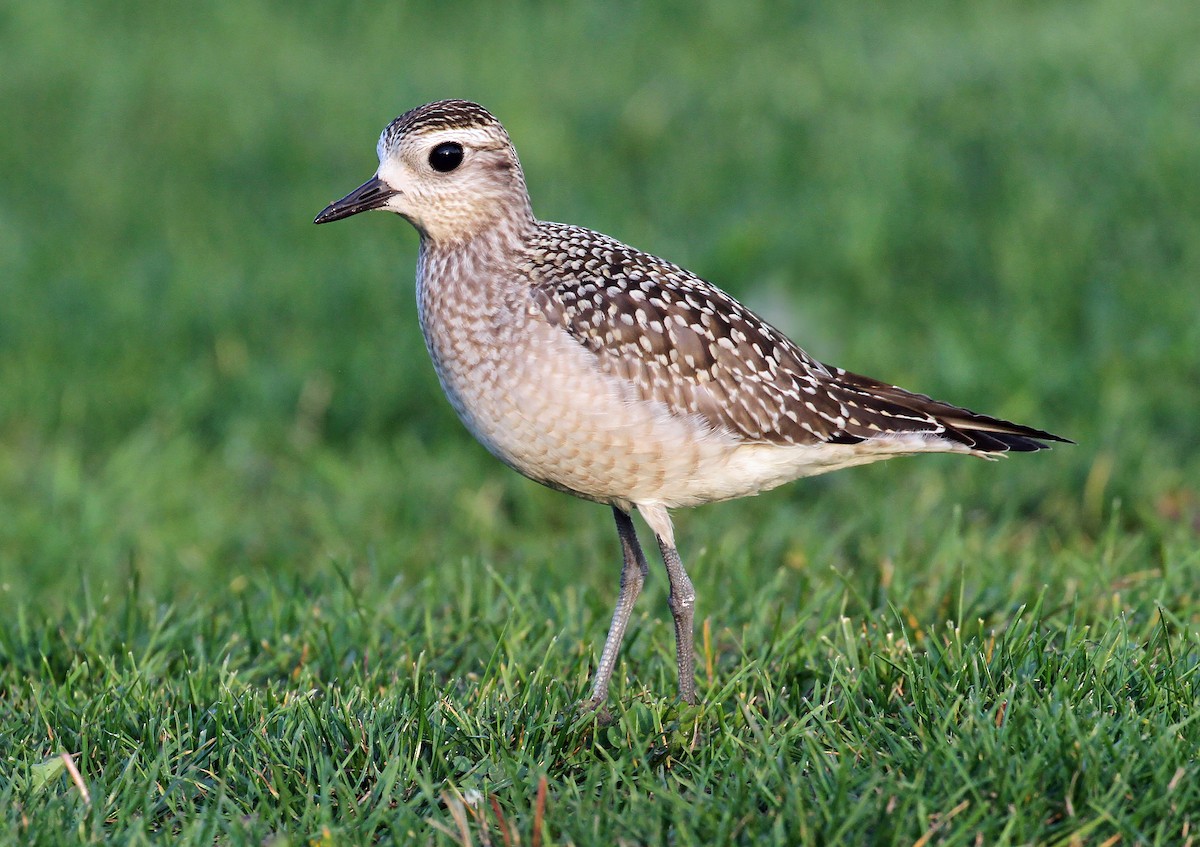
260, 585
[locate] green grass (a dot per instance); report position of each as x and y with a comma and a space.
261, 585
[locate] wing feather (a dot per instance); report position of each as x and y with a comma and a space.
681, 341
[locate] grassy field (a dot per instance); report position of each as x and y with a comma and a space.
262, 586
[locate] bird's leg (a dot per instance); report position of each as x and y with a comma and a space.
682, 601
682, 598
633, 575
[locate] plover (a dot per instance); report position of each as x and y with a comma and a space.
614, 375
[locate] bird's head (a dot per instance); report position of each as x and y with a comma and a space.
448, 168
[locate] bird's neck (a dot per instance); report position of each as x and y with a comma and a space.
489, 222
462, 282
483, 249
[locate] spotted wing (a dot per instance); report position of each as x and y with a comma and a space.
679, 340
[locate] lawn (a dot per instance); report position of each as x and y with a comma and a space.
262, 587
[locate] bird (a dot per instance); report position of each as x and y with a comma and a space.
621, 378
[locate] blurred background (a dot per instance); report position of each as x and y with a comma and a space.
998, 205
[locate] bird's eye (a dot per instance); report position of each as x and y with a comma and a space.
446, 156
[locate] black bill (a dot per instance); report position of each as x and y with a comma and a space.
372, 194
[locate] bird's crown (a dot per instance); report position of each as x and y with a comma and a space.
440, 115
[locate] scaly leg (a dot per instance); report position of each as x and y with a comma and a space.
633, 575
682, 598
682, 601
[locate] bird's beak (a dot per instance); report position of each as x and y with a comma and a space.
372, 194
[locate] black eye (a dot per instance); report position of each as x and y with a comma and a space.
446, 156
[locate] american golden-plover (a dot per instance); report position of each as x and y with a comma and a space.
616, 376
